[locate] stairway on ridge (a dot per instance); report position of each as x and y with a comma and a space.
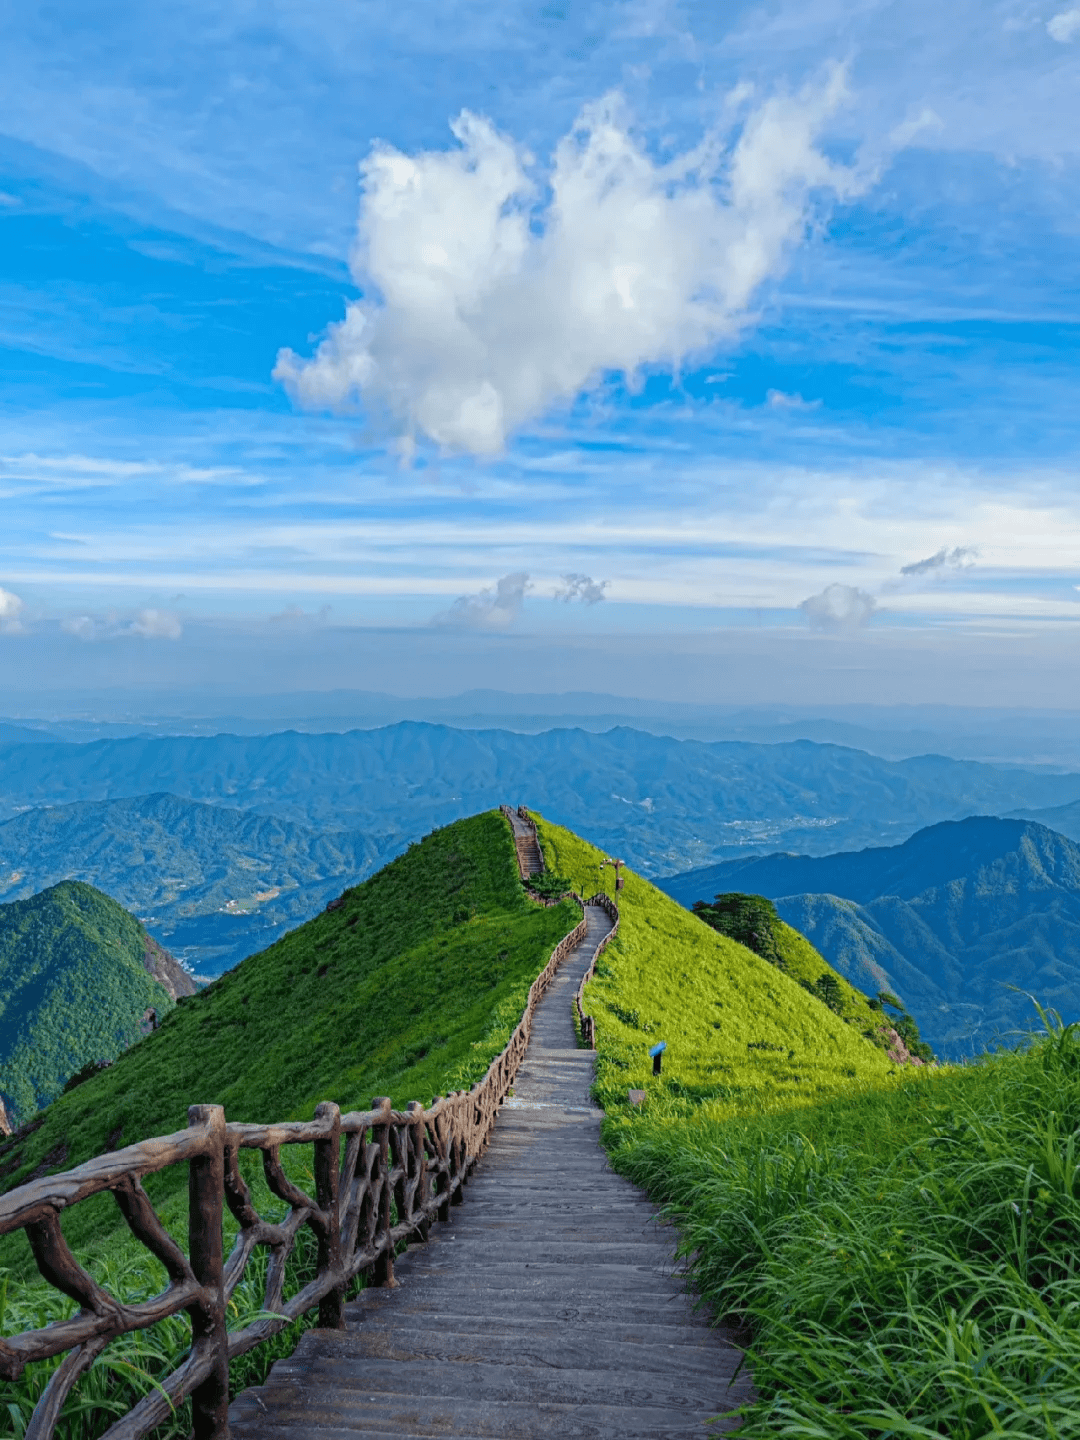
550, 1305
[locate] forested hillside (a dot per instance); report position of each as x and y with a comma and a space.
78, 976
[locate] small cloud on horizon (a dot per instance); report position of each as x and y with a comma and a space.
296, 617
959, 558
581, 587
147, 624
839, 607
10, 609
491, 609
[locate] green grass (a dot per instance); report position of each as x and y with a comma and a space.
739, 1031
409, 989
752, 920
905, 1258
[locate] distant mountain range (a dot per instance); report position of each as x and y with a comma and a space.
949, 921
214, 883
80, 981
662, 804
1030, 737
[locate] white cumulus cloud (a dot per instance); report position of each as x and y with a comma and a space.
583, 588
490, 297
839, 607
155, 625
492, 609
1064, 26
10, 610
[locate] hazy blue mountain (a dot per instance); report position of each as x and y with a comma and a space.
949, 920
1030, 737
79, 977
215, 883
1063, 818
663, 804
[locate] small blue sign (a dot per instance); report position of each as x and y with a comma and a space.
658, 1049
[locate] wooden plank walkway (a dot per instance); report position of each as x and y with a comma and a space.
549, 1307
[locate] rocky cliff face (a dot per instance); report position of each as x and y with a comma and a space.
166, 971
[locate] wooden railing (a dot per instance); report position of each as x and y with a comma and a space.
587, 1022
417, 1159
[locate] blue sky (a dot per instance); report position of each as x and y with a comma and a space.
731, 314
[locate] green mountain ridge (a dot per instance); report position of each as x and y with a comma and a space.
394, 991
409, 987
78, 976
963, 920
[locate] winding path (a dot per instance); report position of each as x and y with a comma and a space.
550, 1306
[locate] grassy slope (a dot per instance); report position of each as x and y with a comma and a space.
409, 989
73, 990
905, 1255
901, 1243
739, 1032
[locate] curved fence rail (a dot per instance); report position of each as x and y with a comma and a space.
587, 1022
417, 1160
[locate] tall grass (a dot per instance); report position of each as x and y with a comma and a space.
905, 1258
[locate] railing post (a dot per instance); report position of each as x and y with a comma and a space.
383, 1269
420, 1195
456, 1150
327, 1170
442, 1178
206, 1197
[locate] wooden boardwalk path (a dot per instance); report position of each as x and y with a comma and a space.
549, 1306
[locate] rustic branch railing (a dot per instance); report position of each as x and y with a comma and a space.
587, 1022
418, 1158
